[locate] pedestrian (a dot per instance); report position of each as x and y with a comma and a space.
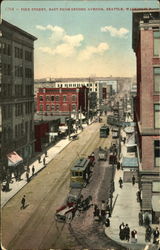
148, 234
45, 153
95, 210
33, 170
87, 178
39, 159
122, 231
120, 182
140, 215
133, 180
107, 222
127, 232
23, 201
108, 210
27, 176
118, 165
103, 209
124, 140
44, 161
134, 236
156, 236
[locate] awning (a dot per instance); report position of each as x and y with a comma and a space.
130, 162
156, 203
14, 159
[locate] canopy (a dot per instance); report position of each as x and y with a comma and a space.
130, 162
14, 159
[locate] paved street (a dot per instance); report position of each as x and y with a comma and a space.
34, 226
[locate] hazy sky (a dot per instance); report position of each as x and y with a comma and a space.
78, 42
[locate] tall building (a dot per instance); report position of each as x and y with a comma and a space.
146, 45
16, 96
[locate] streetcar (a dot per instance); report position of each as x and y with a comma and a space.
104, 131
80, 173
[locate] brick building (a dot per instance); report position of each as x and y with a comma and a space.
16, 96
146, 45
62, 101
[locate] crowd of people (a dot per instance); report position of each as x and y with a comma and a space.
151, 234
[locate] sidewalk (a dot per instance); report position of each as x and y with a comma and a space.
51, 153
126, 209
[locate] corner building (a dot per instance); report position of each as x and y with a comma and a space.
16, 96
146, 45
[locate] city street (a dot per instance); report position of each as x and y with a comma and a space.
34, 227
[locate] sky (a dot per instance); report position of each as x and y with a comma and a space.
78, 38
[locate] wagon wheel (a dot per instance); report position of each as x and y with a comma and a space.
69, 217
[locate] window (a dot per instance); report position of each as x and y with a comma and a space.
52, 98
73, 107
18, 71
57, 98
64, 98
47, 98
157, 153
156, 79
28, 73
73, 98
156, 43
41, 98
28, 56
48, 107
18, 53
41, 107
57, 107
52, 107
157, 115
18, 90
7, 69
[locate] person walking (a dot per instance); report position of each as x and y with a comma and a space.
39, 159
33, 170
127, 232
120, 182
44, 161
27, 176
148, 234
133, 180
134, 236
122, 231
23, 201
155, 236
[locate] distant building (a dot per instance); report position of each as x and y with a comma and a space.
54, 102
146, 45
16, 96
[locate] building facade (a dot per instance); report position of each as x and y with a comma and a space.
16, 93
62, 101
146, 45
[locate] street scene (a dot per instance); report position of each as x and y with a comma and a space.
79, 125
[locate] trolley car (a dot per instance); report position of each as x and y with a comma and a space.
80, 173
104, 131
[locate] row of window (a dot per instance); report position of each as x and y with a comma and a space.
5, 49
22, 129
18, 52
19, 108
6, 90
19, 72
76, 85
57, 98
6, 70
54, 107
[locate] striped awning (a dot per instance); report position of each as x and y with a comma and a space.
14, 159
